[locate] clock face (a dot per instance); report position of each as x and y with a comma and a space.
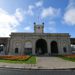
38, 29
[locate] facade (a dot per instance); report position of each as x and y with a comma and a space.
37, 43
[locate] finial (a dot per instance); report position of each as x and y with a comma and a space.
34, 23
43, 23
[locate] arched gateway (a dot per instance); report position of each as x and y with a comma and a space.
41, 47
54, 48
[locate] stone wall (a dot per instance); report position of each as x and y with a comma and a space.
19, 40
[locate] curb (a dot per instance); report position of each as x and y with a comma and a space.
4, 67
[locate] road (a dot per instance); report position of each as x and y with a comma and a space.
4, 71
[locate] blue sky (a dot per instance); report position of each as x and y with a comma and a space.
19, 15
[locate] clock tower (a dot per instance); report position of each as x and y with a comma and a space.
38, 28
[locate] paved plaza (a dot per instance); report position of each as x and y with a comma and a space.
43, 63
54, 63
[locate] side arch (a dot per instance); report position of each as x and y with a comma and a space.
54, 48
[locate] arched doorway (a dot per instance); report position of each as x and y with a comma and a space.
54, 48
41, 47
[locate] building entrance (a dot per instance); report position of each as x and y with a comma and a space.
41, 47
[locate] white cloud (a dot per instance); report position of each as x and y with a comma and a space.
39, 3
69, 15
71, 4
19, 14
52, 23
52, 27
27, 28
30, 10
33, 7
52, 12
8, 22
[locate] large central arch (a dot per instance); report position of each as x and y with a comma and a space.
41, 47
54, 48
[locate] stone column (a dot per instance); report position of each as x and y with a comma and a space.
8, 46
60, 46
11, 49
22, 47
33, 47
69, 46
48, 46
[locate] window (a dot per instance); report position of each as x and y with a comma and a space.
28, 47
1, 47
16, 50
65, 49
27, 51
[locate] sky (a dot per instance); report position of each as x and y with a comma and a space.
19, 16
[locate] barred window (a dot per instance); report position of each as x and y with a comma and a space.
16, 50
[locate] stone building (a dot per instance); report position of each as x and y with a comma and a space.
37, 43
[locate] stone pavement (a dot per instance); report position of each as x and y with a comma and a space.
43, 63
54, 63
